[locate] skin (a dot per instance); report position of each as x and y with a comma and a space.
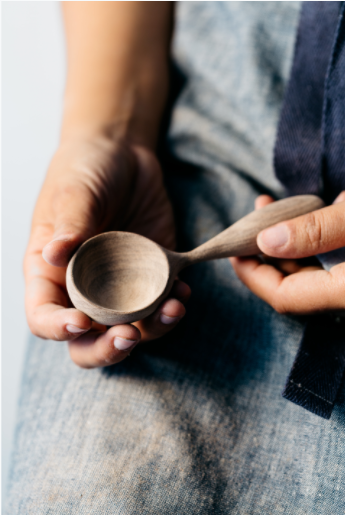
284, 283
104, 175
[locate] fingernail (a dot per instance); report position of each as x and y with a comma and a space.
168, 320
64, 239
275, 236
74, 329
123, 343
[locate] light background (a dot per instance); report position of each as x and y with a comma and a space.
33, 69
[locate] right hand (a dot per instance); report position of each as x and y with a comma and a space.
94, 185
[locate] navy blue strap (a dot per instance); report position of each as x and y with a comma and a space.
319, 366
297, 157
310, 158
333, 127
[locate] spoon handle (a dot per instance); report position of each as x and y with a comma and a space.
240, 238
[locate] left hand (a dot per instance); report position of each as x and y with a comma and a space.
288, 286
96, 184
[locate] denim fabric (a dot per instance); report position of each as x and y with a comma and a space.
309, 158
236, 57
193, 424
318, 370
298, 152
334, 114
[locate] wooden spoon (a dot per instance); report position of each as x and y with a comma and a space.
120, 277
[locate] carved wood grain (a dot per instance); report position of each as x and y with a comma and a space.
119, 277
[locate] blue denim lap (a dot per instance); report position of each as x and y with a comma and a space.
191, 424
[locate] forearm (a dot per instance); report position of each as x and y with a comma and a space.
117, 77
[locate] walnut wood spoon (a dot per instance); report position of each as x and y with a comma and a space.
119, 277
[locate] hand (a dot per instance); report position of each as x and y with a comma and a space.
290, 287
92, 186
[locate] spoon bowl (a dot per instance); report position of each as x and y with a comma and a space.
115, 274
120, 277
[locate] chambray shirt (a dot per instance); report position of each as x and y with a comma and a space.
236, 57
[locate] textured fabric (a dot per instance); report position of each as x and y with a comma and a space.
192, 424
297, 156
309, 158
236, 58
334, 116
317, 373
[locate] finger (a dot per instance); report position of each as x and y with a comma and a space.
167, 315
180, 291
47, 310
47, 303
101, 349
75, 220
307, 235
262, 201
340, 198
292, 266
288, 266
97, 348
163, 320
309, 291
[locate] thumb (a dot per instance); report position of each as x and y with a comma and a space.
76, 220
315, 233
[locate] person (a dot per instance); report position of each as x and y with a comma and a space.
192, 421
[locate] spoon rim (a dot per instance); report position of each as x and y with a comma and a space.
110, 311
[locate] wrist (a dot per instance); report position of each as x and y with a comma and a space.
118, 130
107, 136
132, 111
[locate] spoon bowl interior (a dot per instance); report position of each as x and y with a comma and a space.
119, 273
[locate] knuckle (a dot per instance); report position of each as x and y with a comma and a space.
84, 366
36, 332
80, 363
34, 323
279, 306
313, 228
